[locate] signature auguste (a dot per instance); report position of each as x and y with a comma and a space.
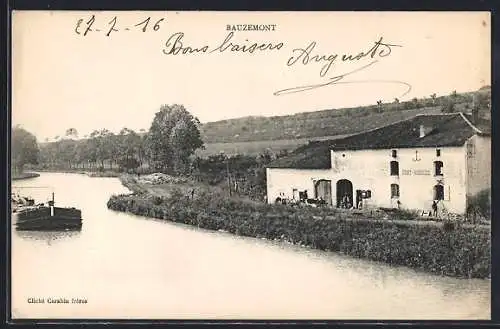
303, 56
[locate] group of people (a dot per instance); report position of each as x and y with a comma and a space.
346, 202
282, 199
303, 200
24, 201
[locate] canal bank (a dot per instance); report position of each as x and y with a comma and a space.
450, 249
25, 175
134, 267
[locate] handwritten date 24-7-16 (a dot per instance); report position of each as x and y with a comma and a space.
85, 27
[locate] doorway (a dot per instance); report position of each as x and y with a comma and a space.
323, 190
344, 193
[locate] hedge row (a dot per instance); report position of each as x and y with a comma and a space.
452, 250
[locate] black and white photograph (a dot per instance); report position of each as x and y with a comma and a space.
231, 165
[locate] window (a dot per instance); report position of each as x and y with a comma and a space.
394, 191
394, 153
438, 152
394, 168
366, 194
438, 168
439, 192
470, 150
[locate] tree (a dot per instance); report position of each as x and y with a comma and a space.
71, 133
173, 137
448, 108
100, 142
128, 149
482, 101
433, 97
24, 149
266, 157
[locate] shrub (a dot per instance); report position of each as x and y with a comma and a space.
403, 214
176, 193
448, 226
449, 107
480, 204
157, 200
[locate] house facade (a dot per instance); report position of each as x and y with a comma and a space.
410, 164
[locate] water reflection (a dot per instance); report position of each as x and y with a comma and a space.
49, 236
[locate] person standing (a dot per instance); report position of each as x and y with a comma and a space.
434, 208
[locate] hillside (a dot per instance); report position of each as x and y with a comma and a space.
333, 122
272, 137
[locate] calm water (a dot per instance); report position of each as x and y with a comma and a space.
127, 266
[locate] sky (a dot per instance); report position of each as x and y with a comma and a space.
62, 79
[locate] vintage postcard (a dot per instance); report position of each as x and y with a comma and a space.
251, 165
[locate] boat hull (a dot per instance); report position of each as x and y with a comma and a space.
46, 218
49, 224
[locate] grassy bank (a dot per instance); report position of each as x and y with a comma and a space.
25, 175
444, 248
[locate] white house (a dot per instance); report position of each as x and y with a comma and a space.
408, 164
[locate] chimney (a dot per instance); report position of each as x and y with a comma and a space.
422, 131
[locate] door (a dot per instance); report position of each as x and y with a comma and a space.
323, 190
344, 193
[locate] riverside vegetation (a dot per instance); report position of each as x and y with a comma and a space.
449, 248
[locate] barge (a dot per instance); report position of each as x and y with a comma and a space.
45, 218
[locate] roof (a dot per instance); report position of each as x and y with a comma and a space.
442, 130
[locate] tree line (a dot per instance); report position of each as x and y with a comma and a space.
169, 147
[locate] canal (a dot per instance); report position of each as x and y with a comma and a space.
130, 267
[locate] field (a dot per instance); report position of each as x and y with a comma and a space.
305, 125
257, 147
